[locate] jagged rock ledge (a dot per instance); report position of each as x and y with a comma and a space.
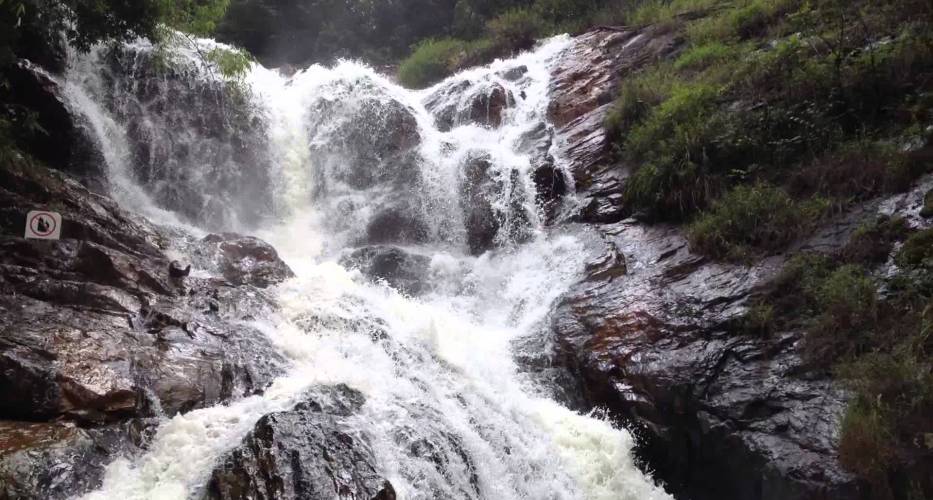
98, 340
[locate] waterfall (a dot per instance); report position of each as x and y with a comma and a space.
331, 160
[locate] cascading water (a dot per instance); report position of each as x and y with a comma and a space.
336, 158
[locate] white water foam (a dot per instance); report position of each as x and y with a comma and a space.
444, 370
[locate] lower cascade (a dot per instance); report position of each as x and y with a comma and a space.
407, 337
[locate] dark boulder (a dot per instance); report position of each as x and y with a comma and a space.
492, 204
550, 189
58, 460
364, 141
651, 334
397, 223
242, 260
721, 415
515, 73
308, 452
404, 271
464, 102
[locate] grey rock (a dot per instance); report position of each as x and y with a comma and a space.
308, 452
242, 260
407, 272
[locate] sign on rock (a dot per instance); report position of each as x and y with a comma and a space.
43, 225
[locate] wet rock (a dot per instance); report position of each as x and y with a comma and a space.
185, 133
464, 102
58, 460
927, 210
721, 415
550, 187
65, 142
92, 328
397, 223
582, 88
308, 452
513, 74
406, 272
243, 260
364, 139
651, 334
177, 270
489, 221
487, 108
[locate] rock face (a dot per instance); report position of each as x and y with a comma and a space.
462, 102
93, 329
56, 460
583, 86
723, 415
404, 271
651, 333
488, 223
185, 133
65, 144
243, 260
308, 452
365, 144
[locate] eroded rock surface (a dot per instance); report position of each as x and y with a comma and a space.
723, 414
308, 452
94, 330
185, 132
243, 260
651, 331
583, 86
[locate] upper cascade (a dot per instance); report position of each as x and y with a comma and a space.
454, 165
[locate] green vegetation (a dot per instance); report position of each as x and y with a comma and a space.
484, 30
752, 219
435, 59
814, 98
32, 29
871, 244
873, 332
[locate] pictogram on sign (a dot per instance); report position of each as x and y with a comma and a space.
43, 225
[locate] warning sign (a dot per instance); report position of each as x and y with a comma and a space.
43, 225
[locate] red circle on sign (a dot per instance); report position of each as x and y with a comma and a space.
34, 222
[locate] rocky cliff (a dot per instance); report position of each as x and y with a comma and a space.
652, 333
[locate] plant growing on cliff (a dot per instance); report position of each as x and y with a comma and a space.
751, 220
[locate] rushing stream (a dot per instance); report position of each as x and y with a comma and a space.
330, 159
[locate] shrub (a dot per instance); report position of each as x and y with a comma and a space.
917, 251
674, 144
927, 210
665, 11
701, 56
431, 61
872, 243
516, 29
866, 444
750, 220
639, 94
759, 320
855, 171
561, 12
739, 22
890, 411
848, 304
